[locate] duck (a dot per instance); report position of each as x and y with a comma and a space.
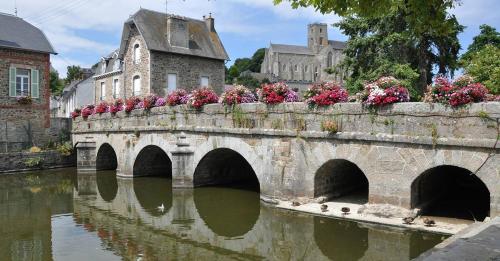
161, 208
324, 207
295, 203
429, 222
345, 210
408, 220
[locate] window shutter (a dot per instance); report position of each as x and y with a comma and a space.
35, 86
12, 82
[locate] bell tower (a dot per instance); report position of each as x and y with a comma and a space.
317, 36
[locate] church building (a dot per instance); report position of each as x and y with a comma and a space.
305, 64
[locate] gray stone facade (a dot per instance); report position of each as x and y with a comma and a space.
287, 146
305, 64
154, 45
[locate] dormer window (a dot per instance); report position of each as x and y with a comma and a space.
137, 54
116, 65
103, 66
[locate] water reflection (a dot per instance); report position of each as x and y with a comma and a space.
118, 219
107, 185
227, 212
153, 192
340, 240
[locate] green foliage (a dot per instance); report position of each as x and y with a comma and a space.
56, 84
248, 81
33, 162
389, 45
245, 64
487, 36
65, 149
74, 73
484, 66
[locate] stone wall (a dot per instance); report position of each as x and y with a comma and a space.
189, 70
15, 118
286, 144
18, 161
131, 69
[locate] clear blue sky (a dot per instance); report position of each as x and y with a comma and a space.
84, 30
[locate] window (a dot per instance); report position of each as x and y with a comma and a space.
103, 66
284, 67
137, 54
320, 30
103, 91
171, 82
306, 68
116, 88
329, 60
137, 85
296, 68
321, 40
204, 81
22, 82
116, 65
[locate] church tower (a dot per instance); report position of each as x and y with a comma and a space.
317, 36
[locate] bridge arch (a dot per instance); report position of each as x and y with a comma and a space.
450, 191
152, 160
341, 178
225, 167
106, 158
229, 146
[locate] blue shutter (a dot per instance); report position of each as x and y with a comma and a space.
35, 84
12, 82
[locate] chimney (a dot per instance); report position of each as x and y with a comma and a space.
177, 31
210, 22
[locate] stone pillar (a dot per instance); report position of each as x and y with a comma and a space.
182, 163
86, 156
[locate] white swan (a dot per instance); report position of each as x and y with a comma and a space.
161, 208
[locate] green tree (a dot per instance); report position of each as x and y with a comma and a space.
56, 84
246, 64
484, 66
487, 36
74, 73
424, 23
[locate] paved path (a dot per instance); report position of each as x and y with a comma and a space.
480, 241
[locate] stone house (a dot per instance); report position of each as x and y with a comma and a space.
77, 94
162, 52
24, 72
305, 64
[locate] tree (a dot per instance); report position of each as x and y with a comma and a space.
74, 73
427, 24
246, 64
487, 36
56, 84
484, 66
385, 45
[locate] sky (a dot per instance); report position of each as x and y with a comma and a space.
82, 31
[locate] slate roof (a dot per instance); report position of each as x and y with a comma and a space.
337, 44
286, 48
152, 26
18, 34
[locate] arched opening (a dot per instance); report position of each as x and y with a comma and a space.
107, 185
106, 158
449, 191
225, 167
152, 161
229, 201
153, 188
340, 240
329, 60
342, 180
152, 193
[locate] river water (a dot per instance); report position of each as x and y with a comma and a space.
62, 215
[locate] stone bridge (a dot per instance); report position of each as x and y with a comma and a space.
410, 155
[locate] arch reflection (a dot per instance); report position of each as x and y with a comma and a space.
340, 240
227, 212
152, 192
107, 185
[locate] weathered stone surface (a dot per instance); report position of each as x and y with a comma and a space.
392, 147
